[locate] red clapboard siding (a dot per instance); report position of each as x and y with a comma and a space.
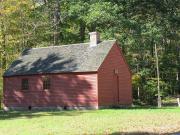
66, 90
88, 89
108, 82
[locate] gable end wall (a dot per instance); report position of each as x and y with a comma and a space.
108, 92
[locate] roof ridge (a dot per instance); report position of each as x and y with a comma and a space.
58, 45
69, 44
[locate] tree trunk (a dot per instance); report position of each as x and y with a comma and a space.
56, 21
158, 85
138, 92
82, 31
178, 101
178, 89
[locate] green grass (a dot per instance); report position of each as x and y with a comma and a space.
106, 121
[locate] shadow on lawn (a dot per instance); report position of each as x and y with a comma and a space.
34, 114
144, 133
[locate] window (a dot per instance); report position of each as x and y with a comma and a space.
46, 83
24, 84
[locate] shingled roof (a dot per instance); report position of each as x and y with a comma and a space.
58, 59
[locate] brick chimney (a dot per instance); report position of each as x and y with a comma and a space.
94, 38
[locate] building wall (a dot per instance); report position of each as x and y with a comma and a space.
66, 90
108, 82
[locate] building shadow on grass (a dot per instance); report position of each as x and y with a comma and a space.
38, 113
35, 114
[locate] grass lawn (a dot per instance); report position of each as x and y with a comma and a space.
106, 121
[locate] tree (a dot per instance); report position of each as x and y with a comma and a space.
158, 82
